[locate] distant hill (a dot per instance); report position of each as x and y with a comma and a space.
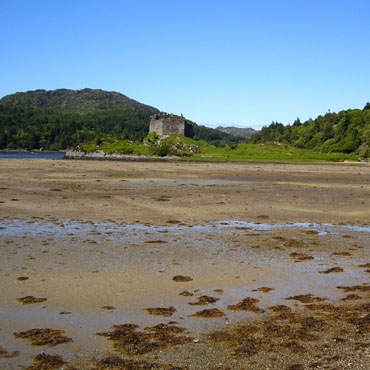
73, 101
237, 131
63, 118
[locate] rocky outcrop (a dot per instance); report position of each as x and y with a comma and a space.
101, 155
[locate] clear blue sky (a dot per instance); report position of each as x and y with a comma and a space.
243, 63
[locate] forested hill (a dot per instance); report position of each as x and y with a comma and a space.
62, 119
73, 101
347, 131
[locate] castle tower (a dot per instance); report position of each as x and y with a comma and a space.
167, 124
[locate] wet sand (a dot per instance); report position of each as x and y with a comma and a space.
102, 242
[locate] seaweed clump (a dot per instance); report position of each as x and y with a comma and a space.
299, 257
204, 300
306, 298
161, 311
132, 342
186, 293
5, 354
247, 304
115, 362
209, 313
44, 361
30, 299
43, 337
181, 278
263, 289
279, 308
333, 269
351, 297
361, 288
366, 265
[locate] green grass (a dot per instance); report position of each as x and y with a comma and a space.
266, 153
209, 153
111, 146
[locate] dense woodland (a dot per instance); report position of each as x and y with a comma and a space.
22, 128
32, 129
345, 132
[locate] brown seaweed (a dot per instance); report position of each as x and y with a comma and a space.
209, 313
181, 278
247, 304
30, 299
161, 311
43, 337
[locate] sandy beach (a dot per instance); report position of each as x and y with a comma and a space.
174, 265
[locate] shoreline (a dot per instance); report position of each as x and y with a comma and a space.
19, 151
102, 156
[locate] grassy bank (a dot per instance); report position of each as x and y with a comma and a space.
187, 149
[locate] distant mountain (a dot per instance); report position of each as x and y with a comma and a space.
238, 131
73, 101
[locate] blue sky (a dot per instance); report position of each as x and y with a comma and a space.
243, 63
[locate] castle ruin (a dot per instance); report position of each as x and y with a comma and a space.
169, 124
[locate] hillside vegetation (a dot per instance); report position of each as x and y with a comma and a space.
73, 101
345, 132
60, 119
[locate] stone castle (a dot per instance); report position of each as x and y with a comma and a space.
169, 124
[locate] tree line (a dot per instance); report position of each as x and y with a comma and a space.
346, 132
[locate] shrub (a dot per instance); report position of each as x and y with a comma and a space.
163, 150
152, 137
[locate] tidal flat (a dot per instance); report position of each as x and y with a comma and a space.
137, 265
